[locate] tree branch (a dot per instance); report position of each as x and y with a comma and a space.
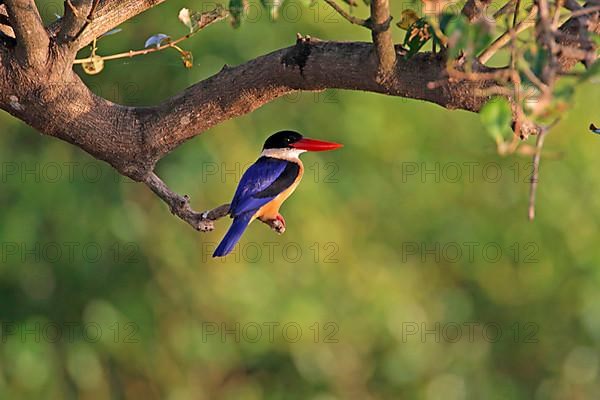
32, 39
503, 40
180, 206
201, 221
309, 65
77, 14
133, 139
107, 15
350, 18
382, 38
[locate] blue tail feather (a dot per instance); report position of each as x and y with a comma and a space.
233, 235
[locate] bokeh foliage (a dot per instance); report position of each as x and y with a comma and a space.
357, 218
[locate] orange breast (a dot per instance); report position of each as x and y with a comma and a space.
271, 209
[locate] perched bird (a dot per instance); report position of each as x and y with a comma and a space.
267, 183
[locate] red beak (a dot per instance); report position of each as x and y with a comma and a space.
315, 145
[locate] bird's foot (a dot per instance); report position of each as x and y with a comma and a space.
277, 224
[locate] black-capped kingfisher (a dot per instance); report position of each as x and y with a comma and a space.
268, 183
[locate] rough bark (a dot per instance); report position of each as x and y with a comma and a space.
133, 139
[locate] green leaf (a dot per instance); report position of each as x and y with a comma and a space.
496, 117
417, 35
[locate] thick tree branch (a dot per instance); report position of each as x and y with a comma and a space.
310, 65
32, 40
107, 15
382, 38
133, 139
77, 14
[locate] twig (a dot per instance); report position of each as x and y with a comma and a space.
180, 206
503, 40
200, 221
508, 8
536, 172
350, 18
545, 33
516, 13
583, 11
212, 16
533, 77
500, 74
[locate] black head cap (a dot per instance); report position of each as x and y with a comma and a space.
282, 140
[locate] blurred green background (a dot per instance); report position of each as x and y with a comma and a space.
408, 269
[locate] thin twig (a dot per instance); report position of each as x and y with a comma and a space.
350, 18
212, 16
200, 221
503, 40
508, 8
533, 77
535, 173
555, 18
583, 11
516, 13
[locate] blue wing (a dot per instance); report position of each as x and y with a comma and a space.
261, 183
